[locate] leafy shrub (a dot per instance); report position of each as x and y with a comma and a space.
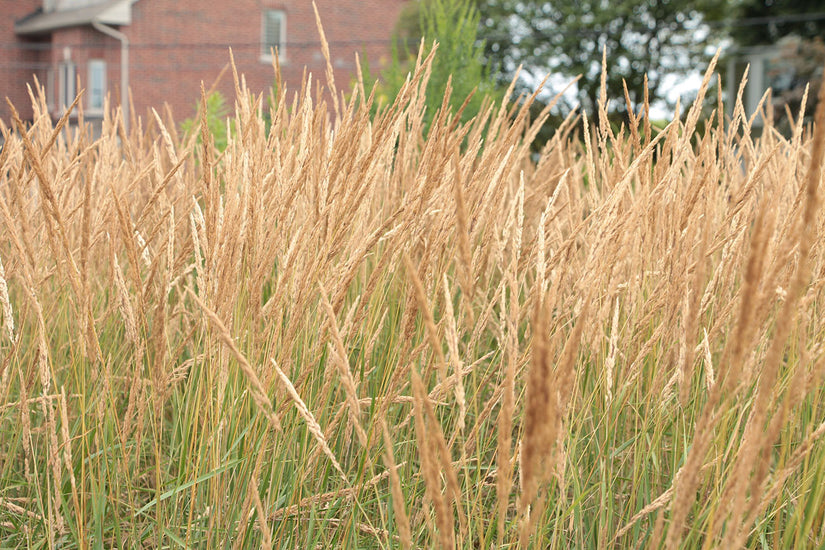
217, 113
450, 26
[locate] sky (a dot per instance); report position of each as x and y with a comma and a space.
675, 85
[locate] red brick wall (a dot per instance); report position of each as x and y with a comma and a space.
176, 44
18, 60
169, 58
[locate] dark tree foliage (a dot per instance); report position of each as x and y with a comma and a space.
761, 22
453, 25
566, 37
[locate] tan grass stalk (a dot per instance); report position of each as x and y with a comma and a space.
323, 499
504, 463
25, 427
691, 318
427, 314
194, 220
127, 237
44, 370
439, 443
428, 453
401, 518
266, 535
159, 340
547, 421
309, 418
19, 510
249, 501
50, 206
455, 361
659, 502
139, 411
90, 334
540, 417
463, 229
130, 323
365, 528
159, 190
330, 73
56, 520
257, 389
791, 467
513, 227
791, 398
354, 264
22, 243
710, 377
68, 462
342, 363
24, 251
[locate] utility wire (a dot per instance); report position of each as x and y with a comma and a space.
767, 20
46, 46
304, 44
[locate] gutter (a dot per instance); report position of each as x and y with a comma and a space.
124, 67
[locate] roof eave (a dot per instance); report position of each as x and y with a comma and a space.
116, 12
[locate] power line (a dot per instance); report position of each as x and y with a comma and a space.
302, 44
767, 20
712, 24
39, 46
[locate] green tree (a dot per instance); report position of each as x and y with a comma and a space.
566, 38
760, 22
453, 25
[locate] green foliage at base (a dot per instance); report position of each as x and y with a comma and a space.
451, 27
217, 113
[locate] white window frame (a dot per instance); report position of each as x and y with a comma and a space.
266, 56
61, 5
93, 65
67, 84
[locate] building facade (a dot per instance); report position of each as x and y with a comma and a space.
786, 67
161, 50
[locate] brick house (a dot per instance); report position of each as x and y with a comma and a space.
161, 50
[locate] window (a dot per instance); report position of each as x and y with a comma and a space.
67, 82
96, 84
273, 34
50, 88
